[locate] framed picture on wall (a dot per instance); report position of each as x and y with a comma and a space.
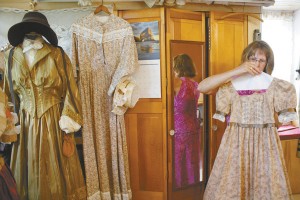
148, 77
146, 36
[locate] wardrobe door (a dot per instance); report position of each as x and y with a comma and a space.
186, 171
229, 35
146, 122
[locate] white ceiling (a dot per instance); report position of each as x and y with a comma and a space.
289, 5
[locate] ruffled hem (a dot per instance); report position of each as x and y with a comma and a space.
107, 196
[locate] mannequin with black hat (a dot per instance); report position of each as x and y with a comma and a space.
39, 81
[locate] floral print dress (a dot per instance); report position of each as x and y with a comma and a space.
250, 163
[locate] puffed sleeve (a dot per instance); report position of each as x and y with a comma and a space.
128, 62
285, 101
72, 109
223, 102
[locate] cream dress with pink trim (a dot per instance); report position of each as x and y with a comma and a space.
250, 163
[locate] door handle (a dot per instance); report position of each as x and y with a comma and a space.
214, 127
172, 132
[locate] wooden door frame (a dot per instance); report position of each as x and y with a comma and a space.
177, 14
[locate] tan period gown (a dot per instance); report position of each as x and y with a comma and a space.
103, 53
39, 167
250, 163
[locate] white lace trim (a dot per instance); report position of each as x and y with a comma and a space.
95, 196
86, 33
84, 2
287, 117
219, 117
100, 37
107, 196
117, 34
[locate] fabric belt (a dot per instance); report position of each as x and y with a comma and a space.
268, 125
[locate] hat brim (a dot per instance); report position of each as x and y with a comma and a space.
17, 32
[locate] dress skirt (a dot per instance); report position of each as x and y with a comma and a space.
38, 164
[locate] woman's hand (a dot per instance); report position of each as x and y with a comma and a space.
250, 67
211, 84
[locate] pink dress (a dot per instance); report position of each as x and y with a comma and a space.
186, 140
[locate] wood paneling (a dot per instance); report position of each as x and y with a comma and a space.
146, 126
150, 149
190, 30
253, 24
292, 162
228, 38
145, 137
188, 26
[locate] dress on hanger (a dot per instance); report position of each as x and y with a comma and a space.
38, 164
250, 163
103, 52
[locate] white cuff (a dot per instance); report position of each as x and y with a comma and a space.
287, 117
219, 117
68, 125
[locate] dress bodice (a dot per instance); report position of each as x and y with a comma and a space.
257, 107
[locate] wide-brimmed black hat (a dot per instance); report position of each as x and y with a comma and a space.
31, 22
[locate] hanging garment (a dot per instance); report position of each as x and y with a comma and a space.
250, 163
38, 164
187, 134
104, 52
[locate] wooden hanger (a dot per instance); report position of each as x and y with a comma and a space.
102, 8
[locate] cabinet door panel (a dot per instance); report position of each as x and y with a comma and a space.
145, 143
228, 37
292, 163
185, 32
146, 126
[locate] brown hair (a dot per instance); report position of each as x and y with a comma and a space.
251, 49
184, 66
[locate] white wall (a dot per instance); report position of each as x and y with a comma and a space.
59, 20
296, 27
277, 31
282, 31
296, 60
